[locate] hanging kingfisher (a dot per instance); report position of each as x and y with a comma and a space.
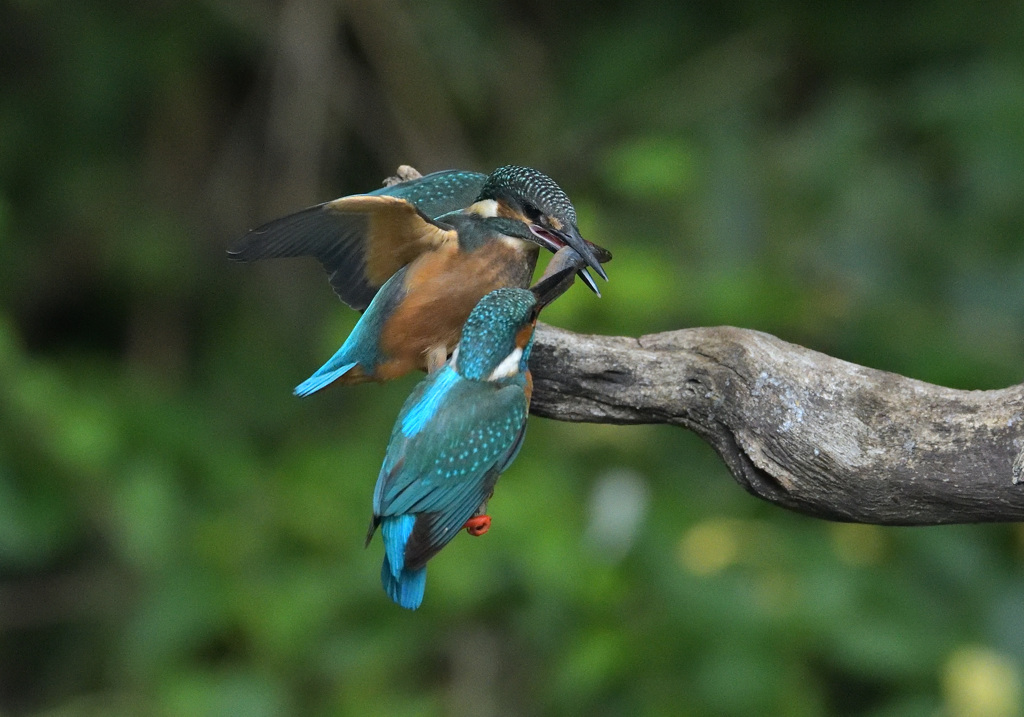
422, 276
457, 432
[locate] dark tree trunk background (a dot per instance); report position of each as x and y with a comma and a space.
798, 428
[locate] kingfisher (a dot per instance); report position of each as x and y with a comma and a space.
415, 277
460, 428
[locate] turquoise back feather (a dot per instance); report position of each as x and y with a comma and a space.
455, 435
438, 193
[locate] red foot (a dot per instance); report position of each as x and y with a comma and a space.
478, 525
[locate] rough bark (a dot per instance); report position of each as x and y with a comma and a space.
798, 428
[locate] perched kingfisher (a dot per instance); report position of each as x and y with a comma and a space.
416, 277
457, 432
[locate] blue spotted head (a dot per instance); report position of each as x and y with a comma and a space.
533, 197
498, 335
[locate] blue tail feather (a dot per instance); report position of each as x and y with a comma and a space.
396, 531
407, 588
362, 346
327, 374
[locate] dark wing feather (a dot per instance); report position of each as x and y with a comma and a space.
336, 241
436, 474
361, 241
435, 530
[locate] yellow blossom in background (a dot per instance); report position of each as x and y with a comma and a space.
980, 682
711, 546
858, 544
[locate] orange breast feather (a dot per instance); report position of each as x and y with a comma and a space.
442, 288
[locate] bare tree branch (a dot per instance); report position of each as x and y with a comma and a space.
798, 428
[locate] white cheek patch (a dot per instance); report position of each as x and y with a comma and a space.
454, 358
509, 366
485, 208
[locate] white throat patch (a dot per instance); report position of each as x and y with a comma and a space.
509, 365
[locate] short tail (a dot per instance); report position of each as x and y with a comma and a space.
330, 372
407, 589
402, 585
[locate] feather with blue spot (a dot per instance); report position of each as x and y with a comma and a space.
456, 433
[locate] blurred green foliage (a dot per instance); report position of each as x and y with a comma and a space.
180, 536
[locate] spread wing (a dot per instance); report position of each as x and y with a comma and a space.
452, 440
360, 240
363, 239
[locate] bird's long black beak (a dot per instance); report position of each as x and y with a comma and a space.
558, 276
591, 254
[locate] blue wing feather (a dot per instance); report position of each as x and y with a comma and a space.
468, 432
425, 407
473, 429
